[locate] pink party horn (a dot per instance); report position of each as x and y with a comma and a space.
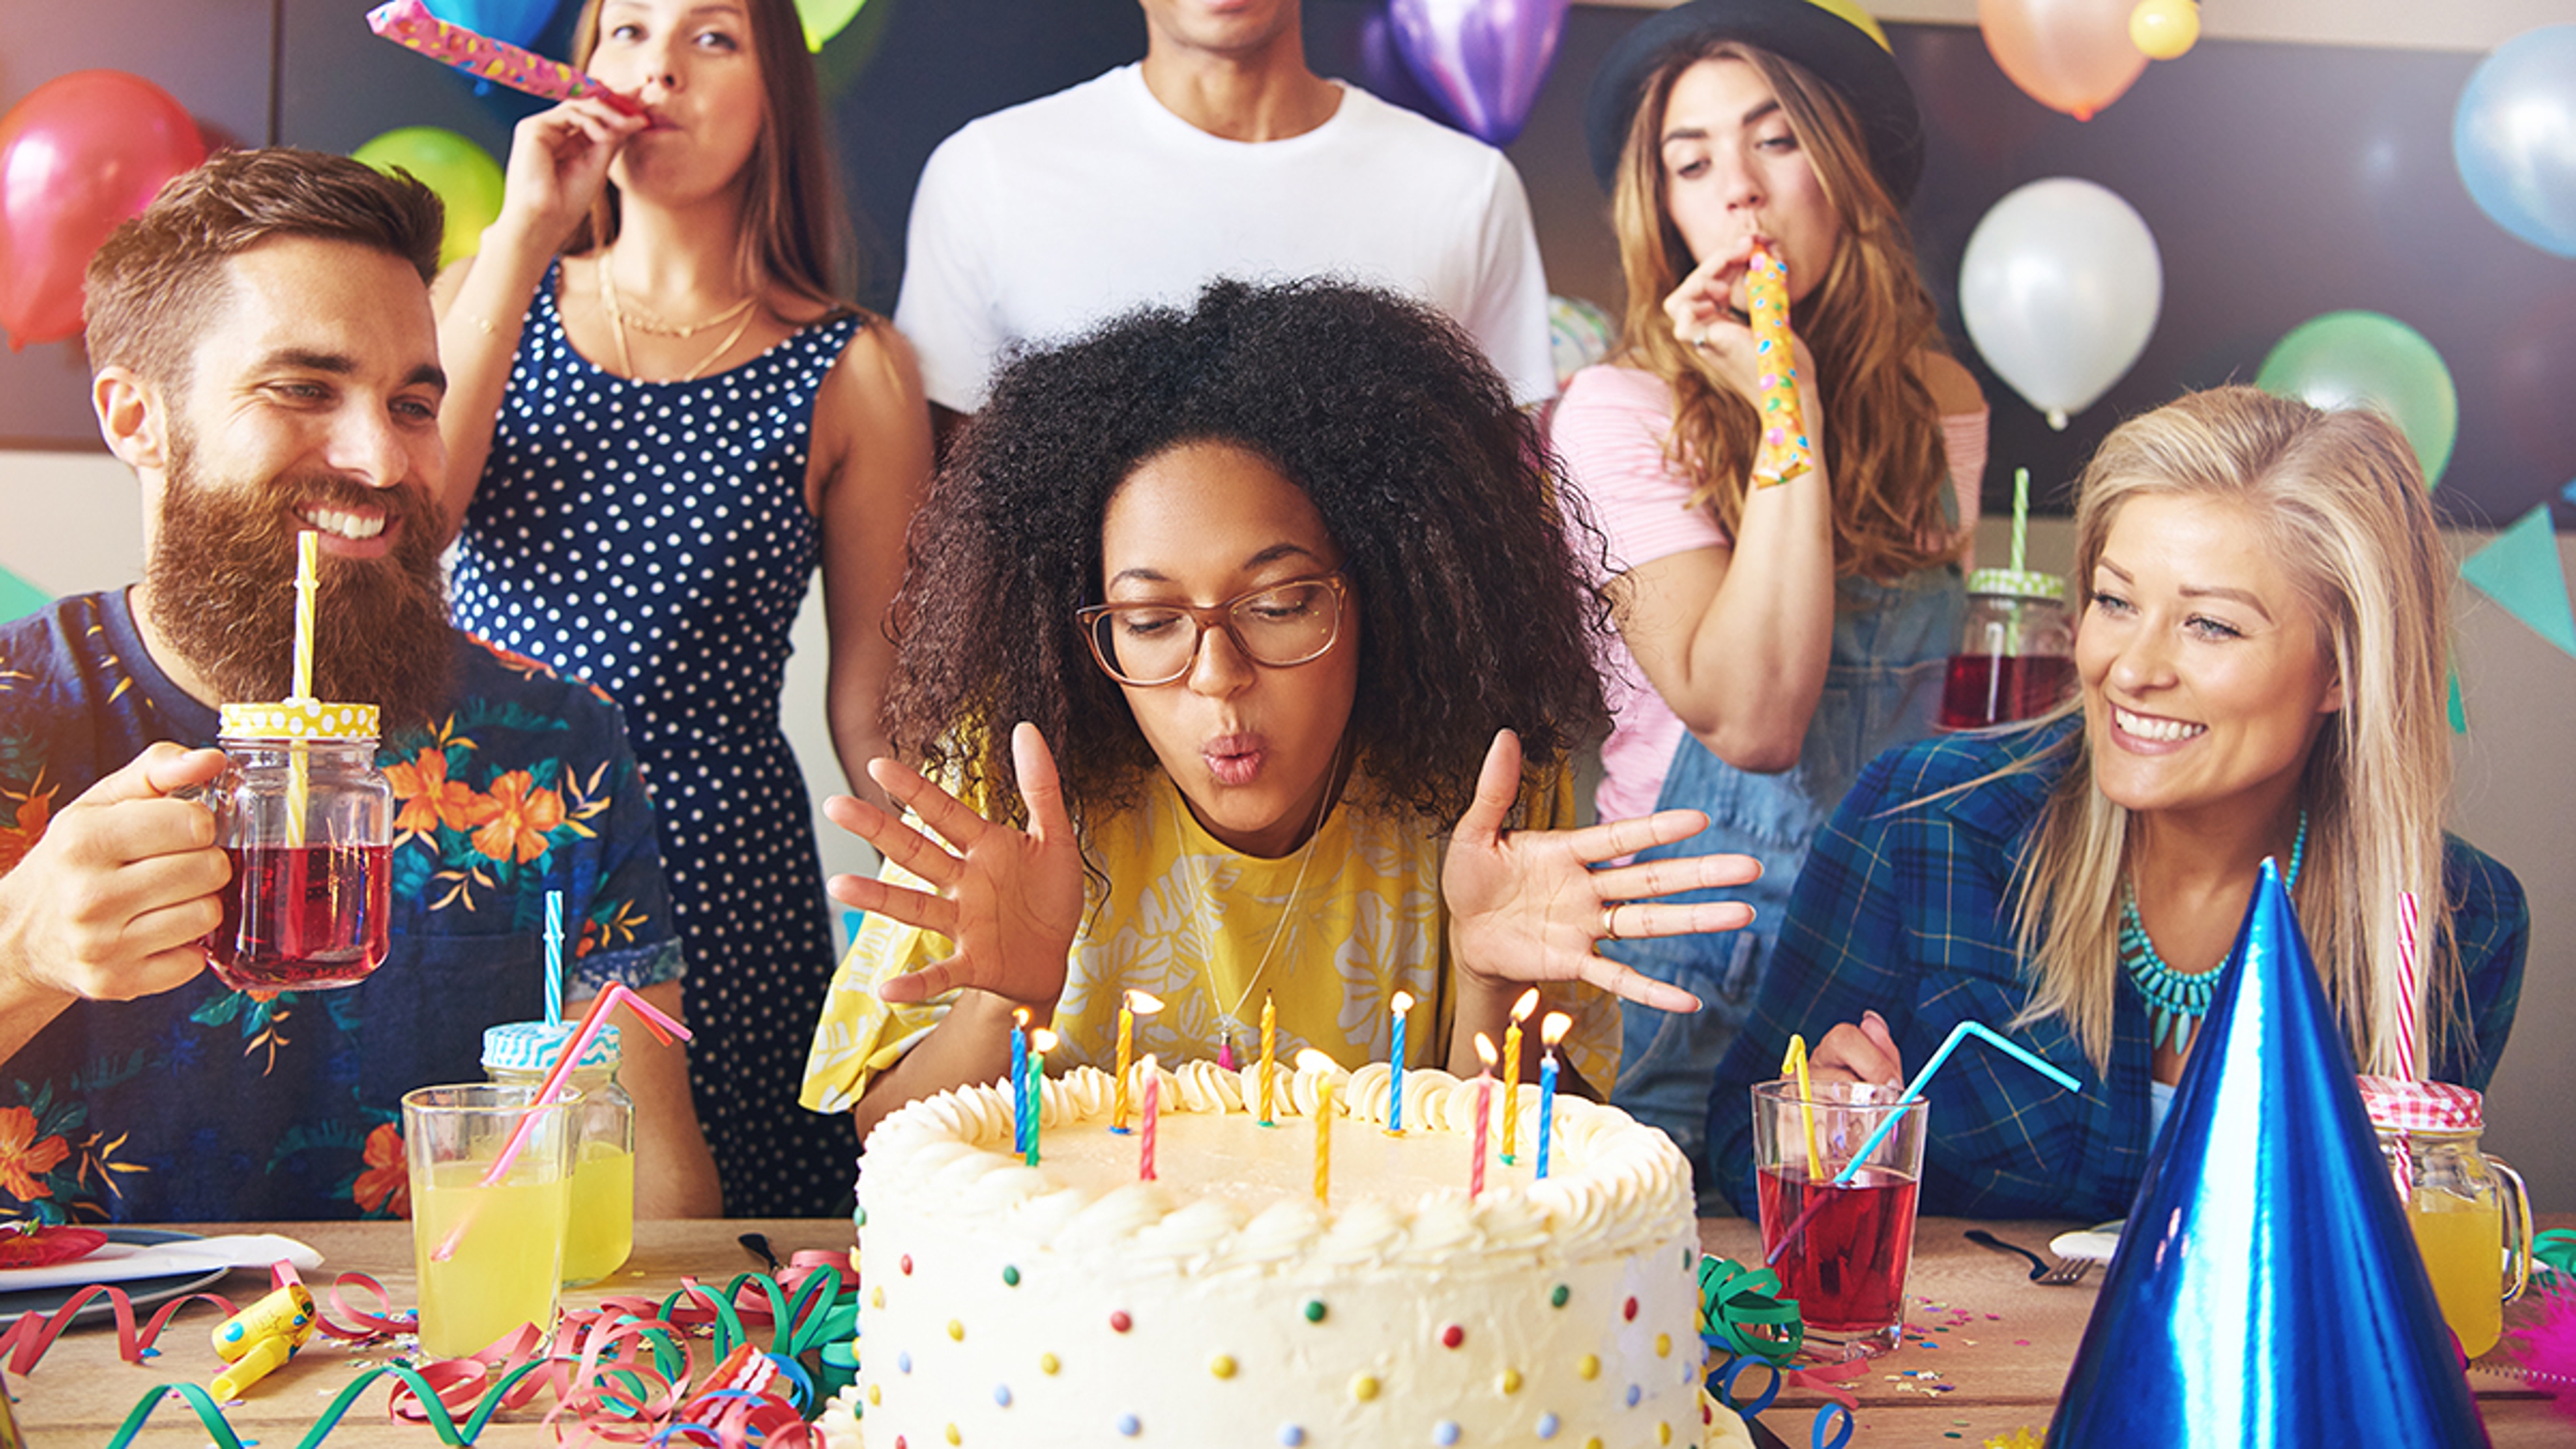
661, 1025
409, 24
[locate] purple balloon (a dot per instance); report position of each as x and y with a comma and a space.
1483, 59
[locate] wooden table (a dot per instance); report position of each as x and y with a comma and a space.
1997, 1352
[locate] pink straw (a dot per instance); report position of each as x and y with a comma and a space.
2406, 1003
661, 1025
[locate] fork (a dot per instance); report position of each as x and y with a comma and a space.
2068, 1272
2063, 1272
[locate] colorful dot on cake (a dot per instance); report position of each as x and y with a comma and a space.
1002, 1395
1511, 1381
1547, 1426
861, 1220
953, 1436
1047, 1363
903, 1362
1222, 1366
1588, 1366
1592, 1443
1314, 1310
1663, 1345
898, 1442
956, 1331
1445, 1433
905, 1263
1663, 1433
875, 1394
1635, 1392
1556, 1298
877, 1299
1291, 1435
1010, 1277
1452, 1336
1628, 1310
1119, 1322
1129, 1426
1364, 1387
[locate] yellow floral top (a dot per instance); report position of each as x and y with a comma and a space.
1212, 932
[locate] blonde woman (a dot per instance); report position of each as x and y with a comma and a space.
1771, 640
2261, 667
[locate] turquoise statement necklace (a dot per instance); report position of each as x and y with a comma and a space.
2177, 1002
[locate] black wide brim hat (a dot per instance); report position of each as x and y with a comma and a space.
1839, 53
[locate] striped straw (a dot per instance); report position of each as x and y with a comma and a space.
298, 755
2021, 513
2407, 1002
554, 958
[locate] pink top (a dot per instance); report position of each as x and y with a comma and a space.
1609, 427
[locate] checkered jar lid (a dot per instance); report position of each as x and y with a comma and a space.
300, 719
2398, 1105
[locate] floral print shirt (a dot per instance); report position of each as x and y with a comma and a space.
209, 1104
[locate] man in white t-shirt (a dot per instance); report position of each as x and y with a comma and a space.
1220, 154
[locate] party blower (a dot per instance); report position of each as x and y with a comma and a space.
409, 24
662, 1026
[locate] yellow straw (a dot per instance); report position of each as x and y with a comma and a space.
297, 758
1795, 1064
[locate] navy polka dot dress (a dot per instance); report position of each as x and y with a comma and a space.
652, 538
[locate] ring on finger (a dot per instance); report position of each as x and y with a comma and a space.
1610, 921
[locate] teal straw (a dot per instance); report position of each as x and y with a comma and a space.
2021, 520
554, 958
1914, 1089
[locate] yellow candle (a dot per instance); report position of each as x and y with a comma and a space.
1324, 1140
1269, 1052
1131, 1004
1521, 1010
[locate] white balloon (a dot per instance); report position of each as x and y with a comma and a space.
2060, 288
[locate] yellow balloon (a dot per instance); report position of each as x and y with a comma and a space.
2164, 29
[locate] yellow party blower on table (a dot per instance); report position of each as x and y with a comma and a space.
261, 1337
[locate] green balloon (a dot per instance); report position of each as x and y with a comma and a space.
463, 174
2365, 359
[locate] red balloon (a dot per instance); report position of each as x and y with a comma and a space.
79, 154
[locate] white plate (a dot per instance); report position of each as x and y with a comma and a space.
142, 1292
2097, 1243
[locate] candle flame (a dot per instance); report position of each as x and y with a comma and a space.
1402, 1002
1485, 1050
1528, 1003
1148, 1065
1311, 1060
1553, 1027
1042, 1041
1143, 1004
1020, 1017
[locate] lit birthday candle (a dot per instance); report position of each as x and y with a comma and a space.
1512, 1075
1402, 1003
1131, 1004
1041, 1041
1484, 1110
1551, 1030
1153, 1118
1269, 1054
1020, 1079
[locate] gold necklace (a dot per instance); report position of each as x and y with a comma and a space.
1230, 1020
647, 323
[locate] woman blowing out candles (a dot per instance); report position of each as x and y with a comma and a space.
1279, 593
1772, 637
2261, 657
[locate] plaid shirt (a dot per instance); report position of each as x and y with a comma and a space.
1907, 909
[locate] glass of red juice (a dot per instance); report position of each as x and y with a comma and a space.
1839, 1235
306, 818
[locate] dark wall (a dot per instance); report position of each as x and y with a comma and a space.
2280, 182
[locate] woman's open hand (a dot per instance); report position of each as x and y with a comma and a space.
1008, 900
1528, 905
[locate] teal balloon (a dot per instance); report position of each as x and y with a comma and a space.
2366, 359
463, 174
2514, 136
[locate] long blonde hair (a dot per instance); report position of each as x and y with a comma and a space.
2341, 503
1866, 322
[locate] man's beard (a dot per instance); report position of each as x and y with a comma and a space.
222, 577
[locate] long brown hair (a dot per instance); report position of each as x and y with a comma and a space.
1866, 322
2338, 498
794, 233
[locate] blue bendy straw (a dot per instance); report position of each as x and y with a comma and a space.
1914, 1089
554, 958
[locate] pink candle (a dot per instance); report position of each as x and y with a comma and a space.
1484, 1112
1153, 1111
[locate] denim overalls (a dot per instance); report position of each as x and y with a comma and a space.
1892, 643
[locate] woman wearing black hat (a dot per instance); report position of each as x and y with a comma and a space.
1775, 638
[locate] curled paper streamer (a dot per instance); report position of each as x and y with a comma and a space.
1784, 452
1742, 1312
408, 23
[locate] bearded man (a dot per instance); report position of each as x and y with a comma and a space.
264, 357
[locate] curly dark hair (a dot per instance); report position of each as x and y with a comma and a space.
1474, 613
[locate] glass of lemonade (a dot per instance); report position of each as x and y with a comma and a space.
489, 1258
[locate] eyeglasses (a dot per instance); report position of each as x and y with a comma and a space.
1147, 644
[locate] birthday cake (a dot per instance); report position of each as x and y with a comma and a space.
1075, 1302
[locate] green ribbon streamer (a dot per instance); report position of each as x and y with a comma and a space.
1741, 1310
2555, 1250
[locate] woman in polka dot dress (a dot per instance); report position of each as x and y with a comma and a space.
659, 416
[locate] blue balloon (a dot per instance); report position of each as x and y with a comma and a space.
517, 21
2515, 137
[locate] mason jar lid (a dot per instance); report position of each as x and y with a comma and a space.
530, 1046
2017, 584
299, 719
2398, 1105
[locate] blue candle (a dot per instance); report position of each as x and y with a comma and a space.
1551, 1031
1402, 1003
1020, 1080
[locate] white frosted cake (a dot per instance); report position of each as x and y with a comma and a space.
1073, 1303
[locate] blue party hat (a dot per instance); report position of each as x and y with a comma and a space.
2267, 1291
